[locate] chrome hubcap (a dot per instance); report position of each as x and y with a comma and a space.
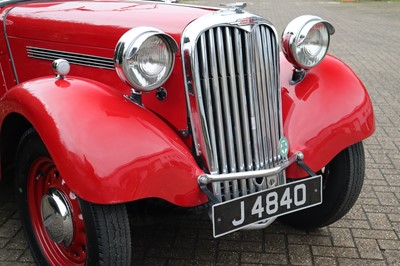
57, 218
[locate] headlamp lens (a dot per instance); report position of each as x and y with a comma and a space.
151, 62
312, 46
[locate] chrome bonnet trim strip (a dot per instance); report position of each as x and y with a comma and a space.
8, 43
73, 58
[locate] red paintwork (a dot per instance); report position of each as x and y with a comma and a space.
325, 113
100, 24
97, 23
40, 179
108, 149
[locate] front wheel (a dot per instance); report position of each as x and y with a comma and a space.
342, 182
61, 228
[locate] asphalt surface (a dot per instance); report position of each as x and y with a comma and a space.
368, 39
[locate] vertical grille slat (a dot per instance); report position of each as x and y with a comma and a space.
239, 96
234, 101
225, 101
249, 83
206, 91
254, 124
212, 57
272, 106
237, 128
261, 97
267, 98
244, 115
226, 108
274, 97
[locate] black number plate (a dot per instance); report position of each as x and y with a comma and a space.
235, 214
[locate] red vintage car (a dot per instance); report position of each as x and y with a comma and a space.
105, 103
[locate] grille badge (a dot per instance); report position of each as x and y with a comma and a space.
284, 147
246, 24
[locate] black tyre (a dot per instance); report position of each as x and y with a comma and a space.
62, 229
343, 178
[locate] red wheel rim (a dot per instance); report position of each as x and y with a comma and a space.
42, 176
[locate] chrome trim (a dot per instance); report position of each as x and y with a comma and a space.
208, 178
231, 75
8, 43
228, 18
260, 225
7, 2
57, 217
129, 44
238, 6
73, 58
61, 68
292, 32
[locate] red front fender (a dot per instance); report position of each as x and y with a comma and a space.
108, 149
325, 113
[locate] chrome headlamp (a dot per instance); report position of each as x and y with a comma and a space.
305, 41
144, 57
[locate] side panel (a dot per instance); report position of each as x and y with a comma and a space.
325, 113
108, 149
39, 68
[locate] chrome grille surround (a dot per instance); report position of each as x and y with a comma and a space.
231, 70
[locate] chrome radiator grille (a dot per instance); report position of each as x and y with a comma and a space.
236, 120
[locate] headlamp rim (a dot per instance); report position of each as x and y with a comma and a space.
129, 44
291, 34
